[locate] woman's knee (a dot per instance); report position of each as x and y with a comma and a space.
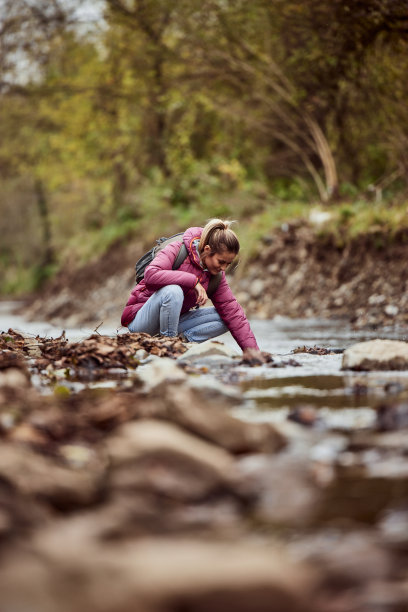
172, 293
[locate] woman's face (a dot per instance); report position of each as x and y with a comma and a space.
217, 262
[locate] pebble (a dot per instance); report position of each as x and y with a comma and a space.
391, 310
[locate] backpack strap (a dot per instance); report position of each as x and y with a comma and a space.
181, 256
214, 280
214, 284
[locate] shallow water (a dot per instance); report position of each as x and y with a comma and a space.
44, 329
343, 399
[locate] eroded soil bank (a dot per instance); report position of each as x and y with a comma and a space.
298, 273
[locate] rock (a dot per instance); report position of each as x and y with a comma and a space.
210, 389
14, 378
287, 489
257, 288
191, 409
159, 457
349, 564
392, 416
371, 477
304, 415
204, 350
159, 370
376, 300
141, 354
28, 434
389, 441
391, 310
126, 514
32, 474
60, 574
376, 355
19, 513
319, 217
394, 527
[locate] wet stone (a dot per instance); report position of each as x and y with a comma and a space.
210, 351
287, 490
154, 575
392, 416
160, 370
159, 457
41, 477
376, 355
191, 409
304, 415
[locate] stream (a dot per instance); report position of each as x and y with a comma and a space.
343, 399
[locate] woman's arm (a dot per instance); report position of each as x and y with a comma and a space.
160, 273
232, 313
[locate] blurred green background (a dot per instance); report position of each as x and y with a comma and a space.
126, 119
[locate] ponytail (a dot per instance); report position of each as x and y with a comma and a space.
218, 235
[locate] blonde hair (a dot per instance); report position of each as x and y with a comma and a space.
219, 237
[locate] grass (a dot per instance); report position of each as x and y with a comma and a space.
349, 220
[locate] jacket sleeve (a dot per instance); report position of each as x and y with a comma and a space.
232, 313
159, 273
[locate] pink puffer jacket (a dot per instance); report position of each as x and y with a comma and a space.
159, 274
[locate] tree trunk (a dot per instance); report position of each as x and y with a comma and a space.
48, 251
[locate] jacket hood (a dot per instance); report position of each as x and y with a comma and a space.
191, 239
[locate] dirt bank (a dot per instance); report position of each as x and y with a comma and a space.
298, 273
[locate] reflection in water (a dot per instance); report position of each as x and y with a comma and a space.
344, 399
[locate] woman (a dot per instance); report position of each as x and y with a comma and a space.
168, 301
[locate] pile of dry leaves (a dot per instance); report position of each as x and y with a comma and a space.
94, 353
316, 350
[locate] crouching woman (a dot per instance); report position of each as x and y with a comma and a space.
169, 301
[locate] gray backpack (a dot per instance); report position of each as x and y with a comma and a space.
162, 242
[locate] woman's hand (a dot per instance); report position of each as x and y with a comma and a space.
252, 356
202, 296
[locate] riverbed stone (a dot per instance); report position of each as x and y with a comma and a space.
391, 310
14, 378
161, 458
209, 350
160, 369
61, 574
392, 416
19, 513
192, 410
376, 355
41, 477
257, 288
287, 488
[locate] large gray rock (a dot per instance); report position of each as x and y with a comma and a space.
376, 355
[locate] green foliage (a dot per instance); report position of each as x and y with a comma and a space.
291, 189
186, 110
381, 220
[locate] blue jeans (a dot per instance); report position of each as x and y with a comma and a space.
161, 314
